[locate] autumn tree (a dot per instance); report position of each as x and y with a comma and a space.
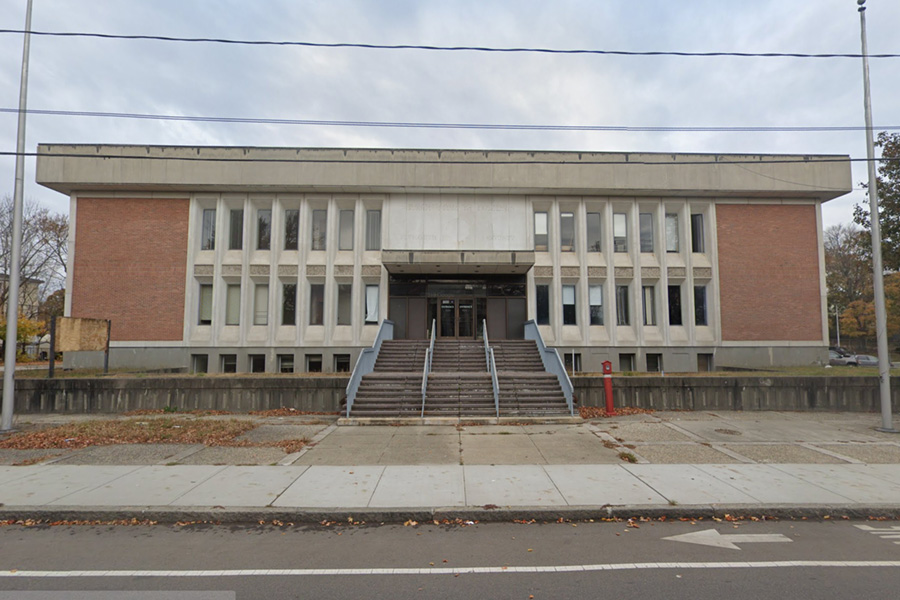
888, 179
848, 271
44, 245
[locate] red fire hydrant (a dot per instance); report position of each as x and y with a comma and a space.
607, 384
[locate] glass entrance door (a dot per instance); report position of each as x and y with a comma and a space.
466, 318
448, 318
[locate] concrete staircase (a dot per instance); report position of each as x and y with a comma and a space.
459, 384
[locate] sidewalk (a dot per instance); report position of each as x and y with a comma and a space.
685, 464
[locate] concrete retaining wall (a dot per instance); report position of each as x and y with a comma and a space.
855, 394
324, 394
115, 395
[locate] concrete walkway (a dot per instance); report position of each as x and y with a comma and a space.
677, 464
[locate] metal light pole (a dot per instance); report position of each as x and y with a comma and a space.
884, 359
12, 292
837, 325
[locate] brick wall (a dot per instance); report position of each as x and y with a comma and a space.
769, 272
130, 265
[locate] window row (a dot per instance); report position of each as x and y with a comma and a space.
291, 238
622, 305
288, 304
228, 363
593, 229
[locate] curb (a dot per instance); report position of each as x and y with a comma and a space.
261, 515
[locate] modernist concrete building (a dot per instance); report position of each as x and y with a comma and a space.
281, 259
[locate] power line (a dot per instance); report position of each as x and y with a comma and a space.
508, 50
432, 125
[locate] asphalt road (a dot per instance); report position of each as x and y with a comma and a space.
840, 559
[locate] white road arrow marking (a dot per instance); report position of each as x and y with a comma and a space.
711, 537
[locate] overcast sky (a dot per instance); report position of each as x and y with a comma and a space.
461, 87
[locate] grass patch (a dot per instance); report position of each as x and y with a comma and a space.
628, 457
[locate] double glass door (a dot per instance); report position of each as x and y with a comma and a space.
456, 318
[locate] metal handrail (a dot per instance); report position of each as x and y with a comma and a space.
365, 364
494, 381
426, 368
552, 363
487, 346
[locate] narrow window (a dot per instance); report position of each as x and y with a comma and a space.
264, 229
697, 233
261, 305
341, 363
228, 363
316, 304
646, 223
649, 301
622, 316
595, 298
257, 363
675, 305
654, 363
620, 233
568, 302
542, 302
233, 304
319, 220
373, 230
289, 304
567, 232
206, 298
343, 307
626, 362
345, 235
700, 305
285, 363
540, 232
208, 233
291, 229
236, 229
372, 304
704, 362
199, 363
572, 361
671, 232
314, 363
593, 233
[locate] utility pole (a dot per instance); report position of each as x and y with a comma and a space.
884, 359
12, 293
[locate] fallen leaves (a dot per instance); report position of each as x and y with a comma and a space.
285, 411
599, 412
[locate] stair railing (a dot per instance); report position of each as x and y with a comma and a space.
552, 363
494, 381
365, 364
487, 346
426, 368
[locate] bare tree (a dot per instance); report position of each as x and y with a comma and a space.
44, 248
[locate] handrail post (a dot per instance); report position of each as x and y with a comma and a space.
426, 368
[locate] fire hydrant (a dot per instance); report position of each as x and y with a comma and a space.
607, 384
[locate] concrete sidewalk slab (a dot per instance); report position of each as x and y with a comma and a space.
330, 487
688, 485
598, 485
420, 486
241, 487
510, 485
421, 449
124, 454
768, 485
857, 485
883, 453
575, 449
45, 485
511, 449
145, 486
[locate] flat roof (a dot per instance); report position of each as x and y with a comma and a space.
70, 168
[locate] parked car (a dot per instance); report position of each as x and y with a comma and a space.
836, 359
866, 360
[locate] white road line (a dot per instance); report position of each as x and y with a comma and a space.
462, 570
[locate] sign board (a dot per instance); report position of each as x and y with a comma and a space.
76, 334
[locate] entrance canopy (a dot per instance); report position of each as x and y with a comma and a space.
443, 262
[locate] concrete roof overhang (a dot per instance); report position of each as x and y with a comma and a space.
446, 262
80, 168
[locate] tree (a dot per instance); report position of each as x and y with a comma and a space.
888, 202
848, 270
54, 306
44, 247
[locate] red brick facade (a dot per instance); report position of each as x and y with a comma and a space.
130, 265
769, 272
